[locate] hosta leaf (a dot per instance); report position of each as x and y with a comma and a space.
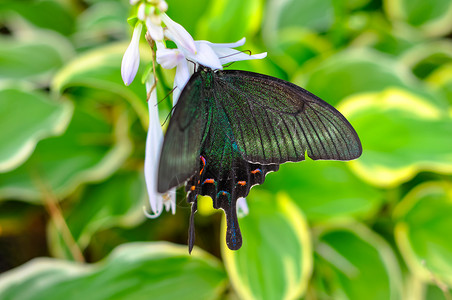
424, 58
401, 135
34, 57
243, 16
102, 206
132, 271
90, 150
324, 189
441, 80
317, 15
362, 70
25, 118
95, 27
275, 260
100, 69
357, 264
433, 18
422, 231
37, 12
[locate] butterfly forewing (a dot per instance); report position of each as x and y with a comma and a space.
275, 121
180, 151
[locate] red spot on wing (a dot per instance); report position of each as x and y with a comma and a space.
242, 183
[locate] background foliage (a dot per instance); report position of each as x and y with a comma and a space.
72, 147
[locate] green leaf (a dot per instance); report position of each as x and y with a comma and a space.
294, 46
90, 150
100, 69
441, 80
100, 207
422, 231
357, 264
433, 18
424, 58
401, 135
27, 117
231, 20
275, 261
361, 70
324, 189
187, 14
317, 15
49, 14
132, 271
96, 27
34, 57
436, 293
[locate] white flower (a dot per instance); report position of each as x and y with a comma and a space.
141, 11
154, 25
242, 207
154, 142
177, 33
131, 58
208, 54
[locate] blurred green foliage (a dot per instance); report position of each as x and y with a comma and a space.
73, 138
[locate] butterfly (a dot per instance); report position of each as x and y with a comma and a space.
230, 128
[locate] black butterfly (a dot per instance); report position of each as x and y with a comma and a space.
230, 128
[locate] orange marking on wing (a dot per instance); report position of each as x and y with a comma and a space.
193, 187
223, 193
242, 183
256, 171
203, 164
209, 180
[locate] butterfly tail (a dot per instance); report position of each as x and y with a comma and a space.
191, 228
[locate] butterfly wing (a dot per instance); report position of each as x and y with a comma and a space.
230, 128
275, 121
179, 157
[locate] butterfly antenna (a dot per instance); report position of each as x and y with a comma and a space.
238, 52
167, 95
194, 64
169, 114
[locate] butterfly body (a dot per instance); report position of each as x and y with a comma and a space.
230, 128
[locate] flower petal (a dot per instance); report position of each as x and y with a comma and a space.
206, 56
131, 58
178, 34
169, 200
154, 141
141, 12
155, 30
169, 58
182, 76
242, 207
228, 55
240, 42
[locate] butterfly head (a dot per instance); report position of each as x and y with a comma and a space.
207, 75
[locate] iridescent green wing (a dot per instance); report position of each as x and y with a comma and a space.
274, 121
180, 153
